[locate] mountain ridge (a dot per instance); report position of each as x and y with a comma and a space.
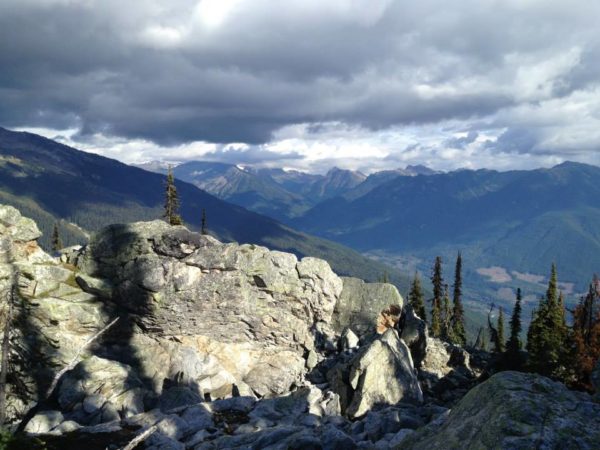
53, 183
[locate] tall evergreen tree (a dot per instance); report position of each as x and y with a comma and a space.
436, 308
203, 228
171, 214
56, 240
446, 315
514, 341
547, 334
416, 298
552, 291
481, 340
459, 335
500, 343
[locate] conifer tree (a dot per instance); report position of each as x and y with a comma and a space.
203, 229
500, 342
171, 201
459, 335
56, 240
416, 298
481, 340
586, 335
436, 309
547, 334
514, 345
446, 315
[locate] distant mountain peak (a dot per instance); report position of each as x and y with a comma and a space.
420, 169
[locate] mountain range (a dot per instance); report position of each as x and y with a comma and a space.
281, 194
83, 192
510, 226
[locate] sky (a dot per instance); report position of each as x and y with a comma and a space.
308, 84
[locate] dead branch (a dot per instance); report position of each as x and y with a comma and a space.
77, 357
141, 437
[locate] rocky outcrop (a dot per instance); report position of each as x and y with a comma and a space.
517, 411
445, 373
380, 373
383, 374
360, 304
212, 315
100, 390
198, 320
52, 317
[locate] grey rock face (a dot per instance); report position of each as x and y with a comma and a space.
244, 313
17, 227
101, 390
44, 421
348, 340
361, 303
514, 410
52, 316
441, 357
383, 374
197, 317
380, 373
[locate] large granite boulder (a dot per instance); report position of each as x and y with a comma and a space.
99, 390
247, 316
17, 236
360, 304
514, 410
380, 373
441, 358
52, 316
198, 319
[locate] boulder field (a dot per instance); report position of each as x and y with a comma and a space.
156, 332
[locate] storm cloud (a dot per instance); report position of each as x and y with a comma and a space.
466, 83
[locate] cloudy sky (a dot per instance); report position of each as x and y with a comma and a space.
308, 84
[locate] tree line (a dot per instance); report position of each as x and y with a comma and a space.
447, 320
553, 347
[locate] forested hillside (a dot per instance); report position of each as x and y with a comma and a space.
51, 183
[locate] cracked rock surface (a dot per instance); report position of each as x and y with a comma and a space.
514, 410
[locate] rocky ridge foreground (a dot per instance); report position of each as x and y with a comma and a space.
221, 346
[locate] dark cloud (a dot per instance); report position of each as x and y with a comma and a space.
515, 140
183, 71
462, 142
